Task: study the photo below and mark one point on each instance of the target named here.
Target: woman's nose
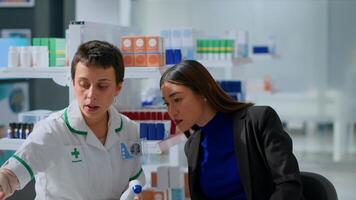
(172, 111)
(91, 93)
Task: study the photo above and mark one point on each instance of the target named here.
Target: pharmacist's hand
(2, 192)
(8, 183)
(2, 195)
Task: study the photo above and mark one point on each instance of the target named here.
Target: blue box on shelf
(260, 50)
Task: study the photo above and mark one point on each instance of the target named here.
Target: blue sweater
(219, 173)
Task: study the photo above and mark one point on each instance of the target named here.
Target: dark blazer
(268, 168)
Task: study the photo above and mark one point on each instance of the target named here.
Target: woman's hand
(2, 195)
(8, 183)
(3, 186)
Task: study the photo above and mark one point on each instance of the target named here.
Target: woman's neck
(99, 126)
(206, 116)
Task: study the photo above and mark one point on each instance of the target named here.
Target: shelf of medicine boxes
(10, 144)
(61, 75)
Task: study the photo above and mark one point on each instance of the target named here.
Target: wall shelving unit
(17, 4)
(60, 75)
(10, 144)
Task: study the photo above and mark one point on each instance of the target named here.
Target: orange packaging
(139, 44)
(140, 60)
(154, 194)
(160, 194)
(129, 59)
(154, 179)
(147, 194)
(127, 44)
(154, 44)
(155, 59)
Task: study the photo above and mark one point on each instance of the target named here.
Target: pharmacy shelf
(10, 144)
(225, 63)
(227, 67)
(60, 75)
(17, 4)
(144, 72)
(264, 57)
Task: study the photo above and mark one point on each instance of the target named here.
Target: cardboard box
(155, 194)
(140, 60)
(155, 59)
(176, 38)
(163, 177)
(154, 44)
(129, 59)
(154, 179)
(139, 44)
(166, 35)
(126, 44)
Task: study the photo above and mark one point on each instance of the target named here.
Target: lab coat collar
(115, 127)
(76, 124)
(115, 120)
(74, 119)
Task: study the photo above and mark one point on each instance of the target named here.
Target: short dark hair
(100, 54)
(196, 77)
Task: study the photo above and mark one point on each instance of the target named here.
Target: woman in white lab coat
(88, 150)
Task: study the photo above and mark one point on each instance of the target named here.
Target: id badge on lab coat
(130, 149)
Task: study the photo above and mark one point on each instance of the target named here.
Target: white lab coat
(69, 162)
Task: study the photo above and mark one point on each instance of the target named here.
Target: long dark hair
(195, 76)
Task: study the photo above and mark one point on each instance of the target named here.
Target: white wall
(342, 54)
(105, 11)
(342, 42)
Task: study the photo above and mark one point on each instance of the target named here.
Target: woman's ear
(118, 88)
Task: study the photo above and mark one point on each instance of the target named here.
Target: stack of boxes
(155, 194)
(241, 43)
(56, 49)
(155, 126)
(179, 44)
(142, 51)
(168, 183)
(153, 130)
(150, 115)
(215, 49)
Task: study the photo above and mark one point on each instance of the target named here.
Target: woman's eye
(84, 85)
(177, 100)
(166, 104)
(103, 86)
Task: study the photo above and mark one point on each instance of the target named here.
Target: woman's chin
(182, 129)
